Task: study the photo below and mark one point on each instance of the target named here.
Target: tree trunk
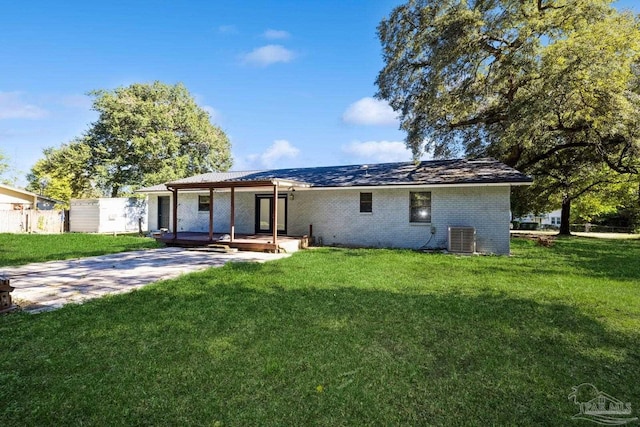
(565, 228)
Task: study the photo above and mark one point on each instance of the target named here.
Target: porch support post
(175, 213)
(274, 214)
(211, 214)
(232, 222)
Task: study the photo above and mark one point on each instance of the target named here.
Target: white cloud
(378, 151)
(276, 34)
(267, 55)
(227, 29)
(370, 111)
(13, 107)
(279, 150)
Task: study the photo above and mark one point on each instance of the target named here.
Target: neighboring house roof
(49, 199)
(28, 194)
(433, 172)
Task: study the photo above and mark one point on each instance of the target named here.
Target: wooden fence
(31, 221)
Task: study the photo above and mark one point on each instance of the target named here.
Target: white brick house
(396, 205)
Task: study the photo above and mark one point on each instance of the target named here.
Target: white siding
(84, 216)
(107, 215)
(336, 218)
(189, 218)
(152, 207)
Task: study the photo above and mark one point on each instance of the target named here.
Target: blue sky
(290, 82)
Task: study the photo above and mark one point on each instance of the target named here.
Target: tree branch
(552, 151)
(589, 187)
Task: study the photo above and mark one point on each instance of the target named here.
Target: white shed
(107, 215)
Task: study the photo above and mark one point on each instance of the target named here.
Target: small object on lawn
(544, 241)
(5, 295)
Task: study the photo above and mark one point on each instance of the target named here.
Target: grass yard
(340, 337)
(19, 249)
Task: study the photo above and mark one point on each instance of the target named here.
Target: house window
(203, 203)
(366, 202)
(420, 206)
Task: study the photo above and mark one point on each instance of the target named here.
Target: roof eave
(426, 184)
(236, 184)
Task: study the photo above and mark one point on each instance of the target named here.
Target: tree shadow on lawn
(208, 347)
(9, 261)
(614, 259)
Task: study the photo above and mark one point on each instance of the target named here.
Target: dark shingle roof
(215, 177)
(433, 172)
(205, 177)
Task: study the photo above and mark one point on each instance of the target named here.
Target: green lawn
(340, 337)
(18, 249)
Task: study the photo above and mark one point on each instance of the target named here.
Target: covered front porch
(269, 208)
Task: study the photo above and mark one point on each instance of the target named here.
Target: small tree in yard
(550, 87)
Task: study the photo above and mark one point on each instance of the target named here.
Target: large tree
(538, 84)
(145, 134)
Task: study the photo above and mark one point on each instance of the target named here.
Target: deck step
(215, 248)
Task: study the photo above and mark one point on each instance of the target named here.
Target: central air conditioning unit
(462, 239)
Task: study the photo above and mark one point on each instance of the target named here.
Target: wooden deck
(243, 242)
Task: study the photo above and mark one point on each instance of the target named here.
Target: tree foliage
(64, 174)
(4, 163)
(611, 200)
(145, 134)
(8, 174)
(538, 84)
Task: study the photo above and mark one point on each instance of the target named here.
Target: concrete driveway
(50, 285)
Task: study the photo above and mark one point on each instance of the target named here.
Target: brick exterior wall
(336, 218)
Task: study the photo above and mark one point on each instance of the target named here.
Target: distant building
(108, 215)
(12, 198)
(545, 220)
(22, 211)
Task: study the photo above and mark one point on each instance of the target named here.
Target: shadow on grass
(616, 259)
(63, 256)
(21, 249)
(210, 347)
